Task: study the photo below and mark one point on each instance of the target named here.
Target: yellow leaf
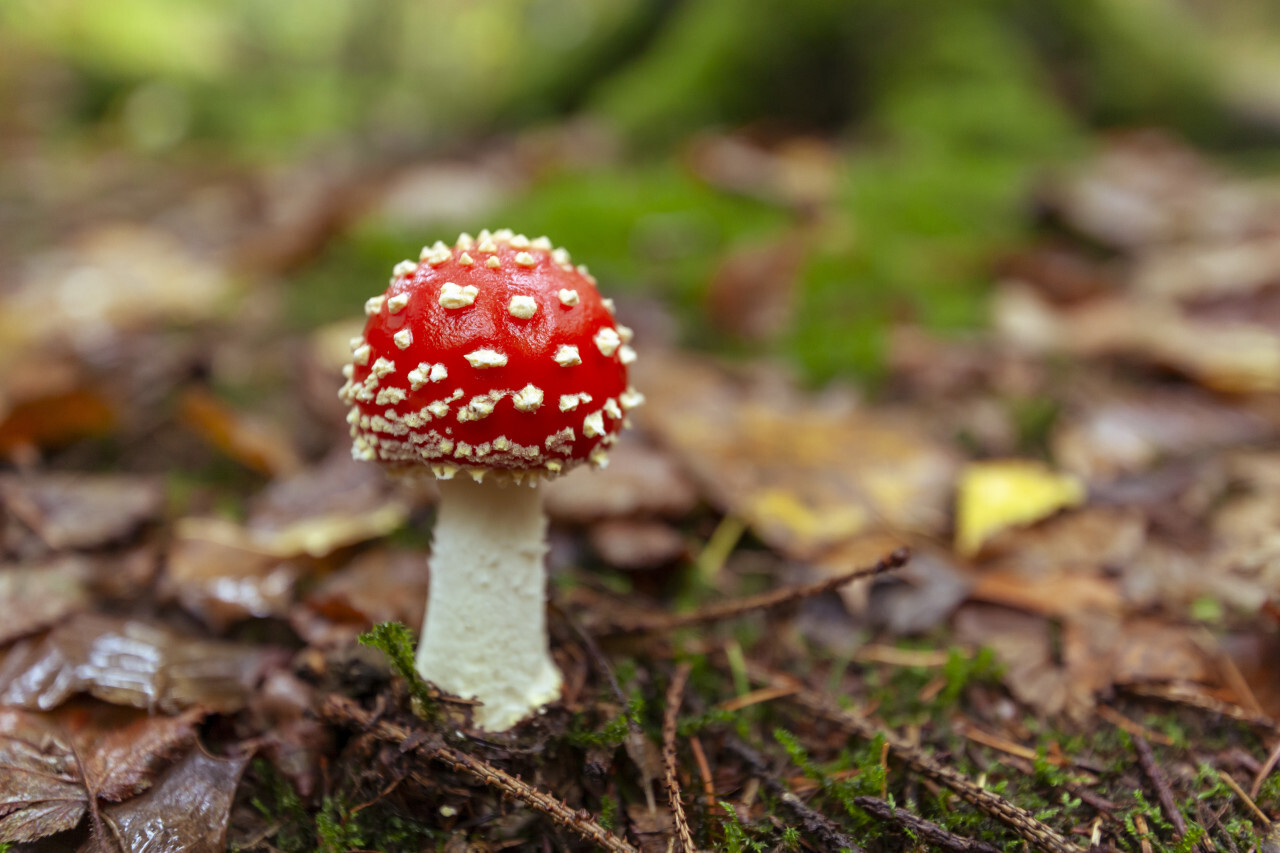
(1006, 493)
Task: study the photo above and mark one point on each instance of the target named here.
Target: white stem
(485, 634)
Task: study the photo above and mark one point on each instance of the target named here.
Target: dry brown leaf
(82, 510)
(640, 480)
(55, 766)
(911, 600)
(126, 662)
(113, 279)
(752, 293)
(256, 444)
(1131, 429)
(36, 595)
(804, 475)
(56, 420)
(632, 544)
(186, 811)
(378, 586)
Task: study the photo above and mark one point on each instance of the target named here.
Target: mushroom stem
(485, 634)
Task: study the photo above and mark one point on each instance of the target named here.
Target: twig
(1182, 694)
(343, 710)
(675, 695)
(658, 622)
(820, 827)
(704, 771)
(1248, 800)
(935, 836)
(1265, 771)
(1147, 760)
(1035, 832)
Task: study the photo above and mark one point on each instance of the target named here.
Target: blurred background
(789, 178)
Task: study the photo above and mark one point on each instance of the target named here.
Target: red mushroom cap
(496, 354)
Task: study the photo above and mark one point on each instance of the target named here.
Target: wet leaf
(186, 811)
(998, 494)
(52, 766)
(127, 662)
(222, 583)
(36, 595)
(82, 510)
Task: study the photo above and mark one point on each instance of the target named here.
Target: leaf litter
(1091, 492)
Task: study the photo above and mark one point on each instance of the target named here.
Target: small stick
(935, 836)
(1182, 694)
(344, 710)
(1248, 801)
(704, 771)
(1147, 760)
(645, 623)
(819, 826)
(675, 695)
(1267, 767)
(1022, 822)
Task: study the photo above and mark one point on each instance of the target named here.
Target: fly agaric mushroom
(490, 364)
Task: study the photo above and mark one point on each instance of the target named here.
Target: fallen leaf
(186, 811)
(56, 766)
(82, 510)
(1131, 429)
(378, 586)
(998, 494)
(127, 662)
(806, 476)
(222, 583)
(256, 444)
(640, 480)
(910, 600)
(36, 595)
(56, 420)
(632, 544)
(112, 279)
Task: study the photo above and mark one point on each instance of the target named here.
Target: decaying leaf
(127, 662)
(640, 480)
(113, 279)
(378, 586)
(81, 510)
(54, 767)
(998, 494)
(224, 571)
(1131, 429)
(804, 475)
(36, 595)
(186, 811)
(257, 444)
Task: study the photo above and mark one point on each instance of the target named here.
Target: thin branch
(1265, 771)
(675, 695)
(1022, 822)
(933, 835)
(1147, 760)
(1183, 694)
(818, 826)
(346, 711)
(659, 622)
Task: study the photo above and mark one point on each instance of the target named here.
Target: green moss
(395, 641)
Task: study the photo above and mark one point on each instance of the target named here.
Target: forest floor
(1079, 651)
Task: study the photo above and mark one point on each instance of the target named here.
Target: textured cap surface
(495, 354)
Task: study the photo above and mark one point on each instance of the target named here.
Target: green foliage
(738, 838)
(395, 641)
(337, 829)
(870, 779)
(608, 812)
(961, 670)
(613, 733)
(278, 802)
